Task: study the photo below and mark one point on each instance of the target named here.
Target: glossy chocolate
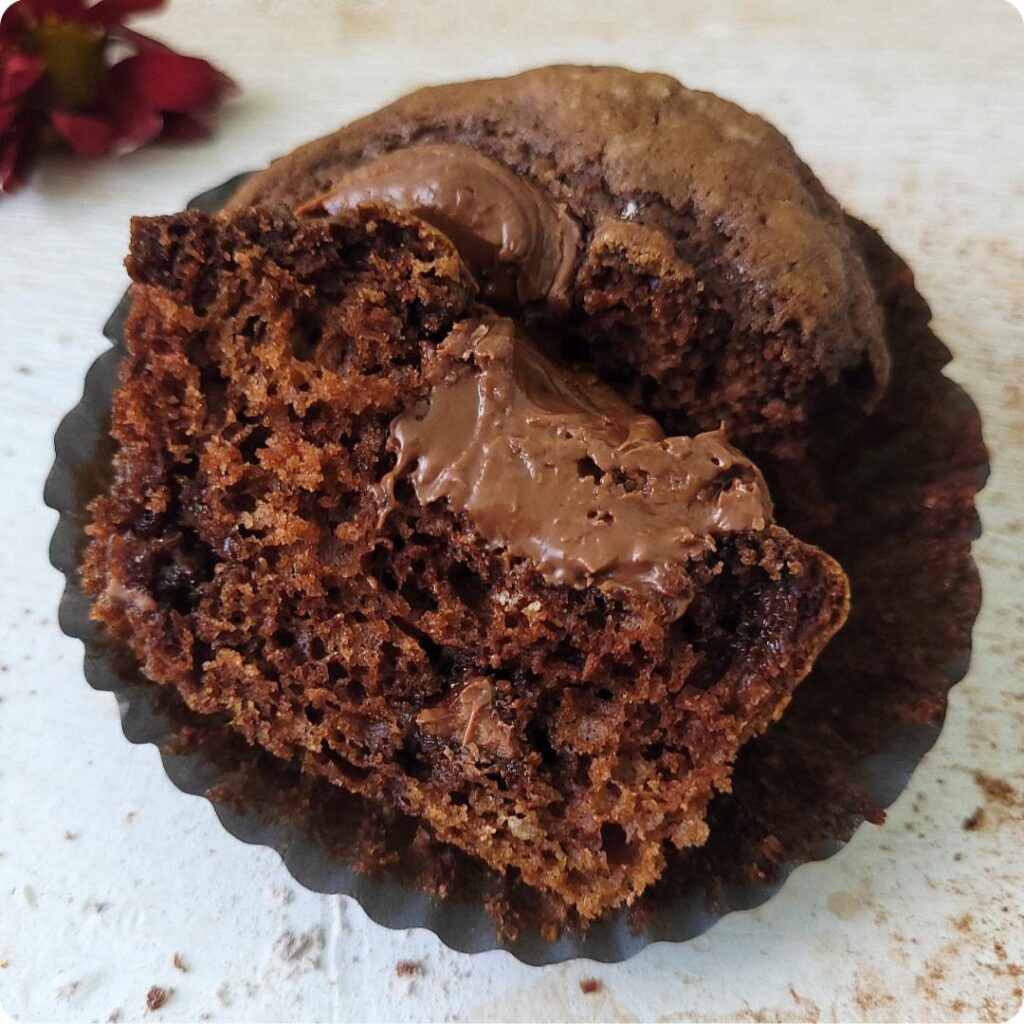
(553, 466)
(520, 245)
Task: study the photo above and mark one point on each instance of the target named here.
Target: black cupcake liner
(757, 840)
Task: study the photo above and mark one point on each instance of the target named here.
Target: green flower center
(74, 59)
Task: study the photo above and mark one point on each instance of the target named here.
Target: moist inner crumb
(241, 557)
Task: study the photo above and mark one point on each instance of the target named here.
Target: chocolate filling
(467, 716)
(553, 466)
(519, 244)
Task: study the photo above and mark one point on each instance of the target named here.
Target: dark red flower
(59, 79)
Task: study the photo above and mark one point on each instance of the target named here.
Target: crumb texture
(566, 736)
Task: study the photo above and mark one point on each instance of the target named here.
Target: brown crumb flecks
(408, 968)
(975, 821)
(1003, 804)
(295, 947)
(997, 790)
(157, 996)
(180, 964)
(588, 986)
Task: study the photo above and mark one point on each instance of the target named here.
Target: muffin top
(679, 181)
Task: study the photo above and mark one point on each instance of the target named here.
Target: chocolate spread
(467, 715)
(552, 465)
(519, 244)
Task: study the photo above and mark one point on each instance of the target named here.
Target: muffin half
(379, 528)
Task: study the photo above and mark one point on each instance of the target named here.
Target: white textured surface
(911, 113)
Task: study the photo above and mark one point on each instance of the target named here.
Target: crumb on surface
(180, 964)
(282, 894)
(588, 986)
(408, 968)
(995, 789)
(157, 996)
(975, 821)
(70, 836)
(291, 946)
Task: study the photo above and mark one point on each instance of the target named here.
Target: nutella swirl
(553, 466)
(518, 243)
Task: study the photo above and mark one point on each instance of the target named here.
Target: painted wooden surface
(911, 112)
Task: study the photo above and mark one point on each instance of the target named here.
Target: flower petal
(10, 150)
(18, 73)
(71, 10)
(183, 128)
(12, 23)
(89, 136)
(135, 122)
(134, 117)
(30, 12)
(137, 39)
(18, 149)
(7, 112)
(113, 12)
(172, 82)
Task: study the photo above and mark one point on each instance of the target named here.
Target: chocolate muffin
(381, 530)
(680, 246)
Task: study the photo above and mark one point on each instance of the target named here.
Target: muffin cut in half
(365, 519)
